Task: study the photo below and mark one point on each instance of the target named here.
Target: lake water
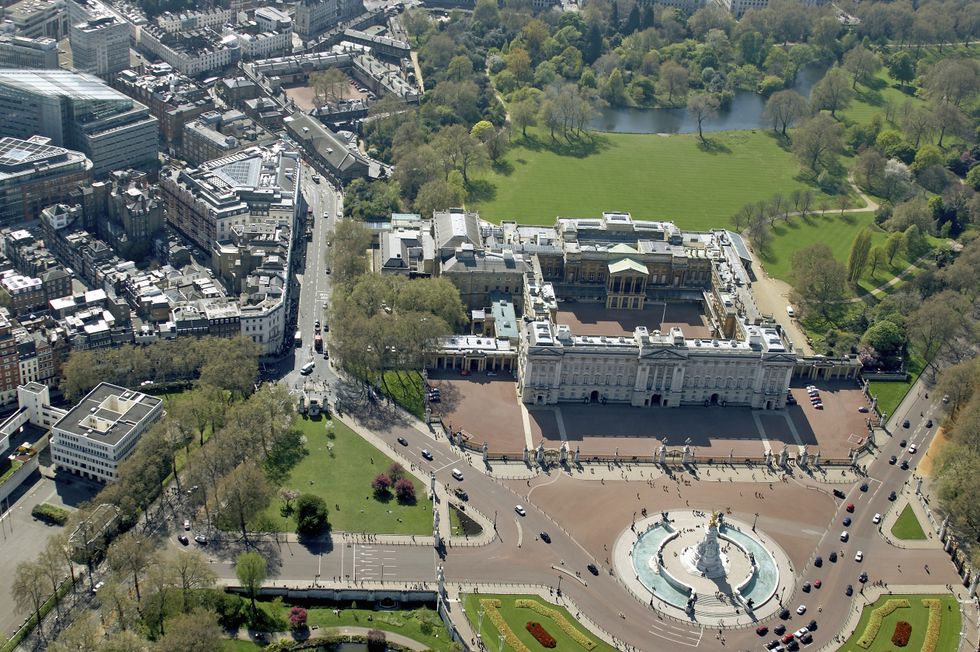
(744, 113)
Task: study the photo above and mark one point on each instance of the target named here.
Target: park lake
(745, 112)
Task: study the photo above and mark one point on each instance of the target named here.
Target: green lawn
(240, 646)
(340, 469)
(651, 176)
(907, 526)
(407, 389)
(916, 615)
(517, 619)
(406, 623)
(890, 394)
(870, 101)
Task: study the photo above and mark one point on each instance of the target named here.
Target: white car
(876, 519)
(520, 510)
(859, 556)
(801, 609)
(912, 449)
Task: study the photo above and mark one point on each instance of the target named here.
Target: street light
(559, 585)
(494, 520)
(755, 520)
(479, 616)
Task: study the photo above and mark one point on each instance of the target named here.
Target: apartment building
(26, 52)
(34, 174)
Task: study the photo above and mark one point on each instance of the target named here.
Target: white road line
(520, 531)
(762, 431)
(354, 564)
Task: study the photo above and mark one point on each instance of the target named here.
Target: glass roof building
(81, 112)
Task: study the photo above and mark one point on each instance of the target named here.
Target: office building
(38, 18)
(314, 17)
(25, 52)
(174, 99)
(34, 174)
(102, 430)
(100, 44)
(79, 111)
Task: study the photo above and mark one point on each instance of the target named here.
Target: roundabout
(703, 567)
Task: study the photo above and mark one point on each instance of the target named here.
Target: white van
(307, 369)
(458, 474)
(844, 536)
(790, 311)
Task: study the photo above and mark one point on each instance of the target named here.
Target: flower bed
(541, 635)
(934, 625)
(903, 631)
(877, 616)
(491, 607)
(573, 632)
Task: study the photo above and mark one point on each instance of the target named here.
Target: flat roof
(108, 414)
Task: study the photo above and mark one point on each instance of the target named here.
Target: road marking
(762, 431)
(520, 531)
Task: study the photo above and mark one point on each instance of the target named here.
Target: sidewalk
(907, 496)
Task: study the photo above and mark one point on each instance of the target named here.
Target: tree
(130, 554)
(875, 258)
(893, 245)
(438, 195)
(288, 496)
(83, 634)
(191, 572)
(952, 80)
(523, 114)
(857, 260)
(459, 150)
(673, 80)
(742, 217)
(784, 108)
(52, 564)
(869, 169)
(348, 257)
(702, 106)
(949, 118)
(376, 639)
(833, 92)
(939, 324)
(862, 63)
(817, 142)
(381, 484)
(28, 589)
(819, 280)
(311, 515)
(917, 124)
(405, 491)
(250, 568)
(242, 494)
(959, 382)
(231, 364)
(493, 139)
(197, 631)
(298, 616)
(901, 66)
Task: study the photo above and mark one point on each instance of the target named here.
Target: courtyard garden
(340, 467)
(907, 526)
(528, 623)
(926, 623)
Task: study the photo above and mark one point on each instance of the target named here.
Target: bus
(318, 343)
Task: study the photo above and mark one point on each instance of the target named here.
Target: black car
(593, 569)
(864, 486)
(546, 537)
(403, 441)
(863, 577)
(846, 521)
(792, 646)
(832, 557)
(892, 459)
(849, 591)
(806, 587)
(905, 424)
(892, 496)
(818, 561)
(902, 444)
(784, 614)
(182, 539)
(839, 493)
(779, 629)
(461, 494)
(812, 626)
(905, 465)
(426, 454)
(772, 645)
(929, 423)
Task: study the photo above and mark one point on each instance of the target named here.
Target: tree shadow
(713, 146)
(783, 142)
(481, 190)
(503, 167)
(876, 83)
(870, 96)
(576, 146)
(779, 229)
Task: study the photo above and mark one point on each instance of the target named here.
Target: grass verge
(917, 614)
(907, 526)
(339, 468)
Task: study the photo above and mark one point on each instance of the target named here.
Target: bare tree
(130, 553)
(702, 106)
(29, 589)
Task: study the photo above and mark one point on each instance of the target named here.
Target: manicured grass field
(240, 646)
(407, 623)
(407, 389)
(916, 615)
(870, 101)
(517, 619)
(340, 470)
(651, 176)
(907, 526)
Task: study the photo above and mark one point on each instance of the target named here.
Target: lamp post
(559, 585)
(500, 642)
(479, 617)
(494, 520)
(754, 520)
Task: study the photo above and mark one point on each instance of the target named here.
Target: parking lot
(595, 319)
(484, 407)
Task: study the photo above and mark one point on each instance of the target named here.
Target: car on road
(817, 584)
(187, 524)
(904, 465)
(520, 510)
(183, 539)
(461, 494)
(761, 630)
(863, 577)
(892, 496)
(912, 449)
(839, 493)
(201, 539)
(779, 629)
(427, 454)
(806, 587)
(929, 423)
(902, 443)
(863, 409)
(847, 521)
(784, 614)
(906, 424)
(844, 536)
(850, 507)
(801, 609)
(876, 519)
(456, 473)
(818, 561)
(859, 556)
(892, 459)
(403, 441)
(593, 569)
(832, 557)
(316, 326)
(545, 537)
(95, 589)
(849, 591)
(945, 398)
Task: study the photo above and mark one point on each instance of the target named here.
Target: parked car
(850, 507)
(902, 443)
(817, 584)
(859, 556)
(904, 465)
(906, 424)
(892, 459)
(832, 557)
(818, 561)
(201, 539)
(801, 609)
(761, 630)
(876, 519)
(187, 524)
(839, 493)
(546, 537)
(847, 521)
(863, 577)
(520, 510)
(779, 629)
(183, 539)
(806, 587)
(929, 423)
(892, 496)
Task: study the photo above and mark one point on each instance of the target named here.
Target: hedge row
(903, 631)
(573, 632)
(935, 623)
(491, 607)
(877, 616)
(50, 514)
(541, 634)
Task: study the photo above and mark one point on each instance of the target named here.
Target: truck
(318, 343)
(298, 339)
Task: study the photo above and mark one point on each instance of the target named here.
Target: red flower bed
(543, 637)
(903, 631)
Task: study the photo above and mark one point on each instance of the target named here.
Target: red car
(817, 584)
(762, 630)
(850, 507)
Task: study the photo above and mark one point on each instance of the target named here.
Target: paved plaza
(595, 319)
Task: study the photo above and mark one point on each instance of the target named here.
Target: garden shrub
(934, 625)
(50, 514)
(903, 631)
(491, 606)
(573, 632)
(541, 635)
(877, 616)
